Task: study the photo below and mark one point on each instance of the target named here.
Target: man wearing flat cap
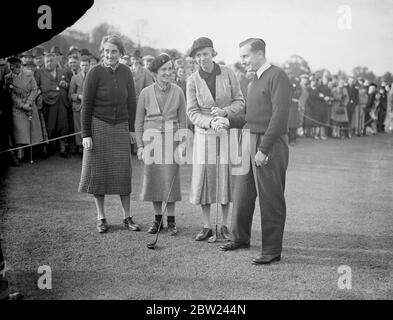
(213, 92)
(266, 120)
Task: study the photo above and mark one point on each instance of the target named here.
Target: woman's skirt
(106, 169)
(203, 184)
(339, 114)
(159, 174)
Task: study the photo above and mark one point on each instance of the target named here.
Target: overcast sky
(310, 28)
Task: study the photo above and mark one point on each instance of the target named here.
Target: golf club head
(151, 246)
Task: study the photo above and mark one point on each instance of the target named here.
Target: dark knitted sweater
(268, 103)
(108, 95)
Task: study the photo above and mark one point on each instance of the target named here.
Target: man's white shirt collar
(263, 68)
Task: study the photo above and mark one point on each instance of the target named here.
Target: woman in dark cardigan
(108, 115)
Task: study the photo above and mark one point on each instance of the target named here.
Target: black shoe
(204, 234)
(14, 296)
(233, 246)
(131, 225)
(172, 230)
(225, 233)
(265, 259)
(154, 228)
(102, 226)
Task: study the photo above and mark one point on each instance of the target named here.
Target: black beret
(200, 43)
(14, 60)
(159, 61)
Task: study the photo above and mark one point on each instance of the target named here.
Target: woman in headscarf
(23, 88)
(161, 112)
(212, 91)
(108, 116)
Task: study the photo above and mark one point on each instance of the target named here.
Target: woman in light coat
(24, 90)
(212, 91)
(161, 111)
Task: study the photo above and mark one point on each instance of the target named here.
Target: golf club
(152, 245)
(213, 238)
(31, 138)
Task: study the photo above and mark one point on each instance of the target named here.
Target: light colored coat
(76, 89)
(199, 105)
(24, 90)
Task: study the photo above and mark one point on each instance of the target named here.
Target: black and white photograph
(205, 151)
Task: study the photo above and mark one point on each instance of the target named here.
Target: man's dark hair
(85, 59)
(256, 44)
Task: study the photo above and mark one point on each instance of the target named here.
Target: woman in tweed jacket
(212, 91)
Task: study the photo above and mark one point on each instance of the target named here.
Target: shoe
(292, 144)
(233, 246)
(63, 154)
(172, 228)
(102, 226)
(204, 234)
(316, 137)
(131, 225)
(323, 138)
(225, 233)
(154, 228)
(265, 259)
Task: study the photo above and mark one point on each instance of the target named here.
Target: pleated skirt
(106, 169)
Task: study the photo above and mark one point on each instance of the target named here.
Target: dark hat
(56, 50)
(85, 52)
(159, 61)
(137, 54)
(38, 51)
(200, 43)
(14, 60)
(27, 53)
(373, 84)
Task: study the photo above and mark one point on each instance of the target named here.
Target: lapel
(167, 102)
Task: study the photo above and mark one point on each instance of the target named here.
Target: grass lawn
(339, 212)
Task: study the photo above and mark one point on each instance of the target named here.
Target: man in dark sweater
(266, 118)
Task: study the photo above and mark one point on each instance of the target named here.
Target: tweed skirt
(158, 177)
(106, 169)
(203, 184)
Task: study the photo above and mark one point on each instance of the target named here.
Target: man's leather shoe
(204, 234)
(102, 226)
(131, 225)
(233, 246)
(154, 228)
(265, 259)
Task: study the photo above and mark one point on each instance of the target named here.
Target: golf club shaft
(217, 177)
(165, 206)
